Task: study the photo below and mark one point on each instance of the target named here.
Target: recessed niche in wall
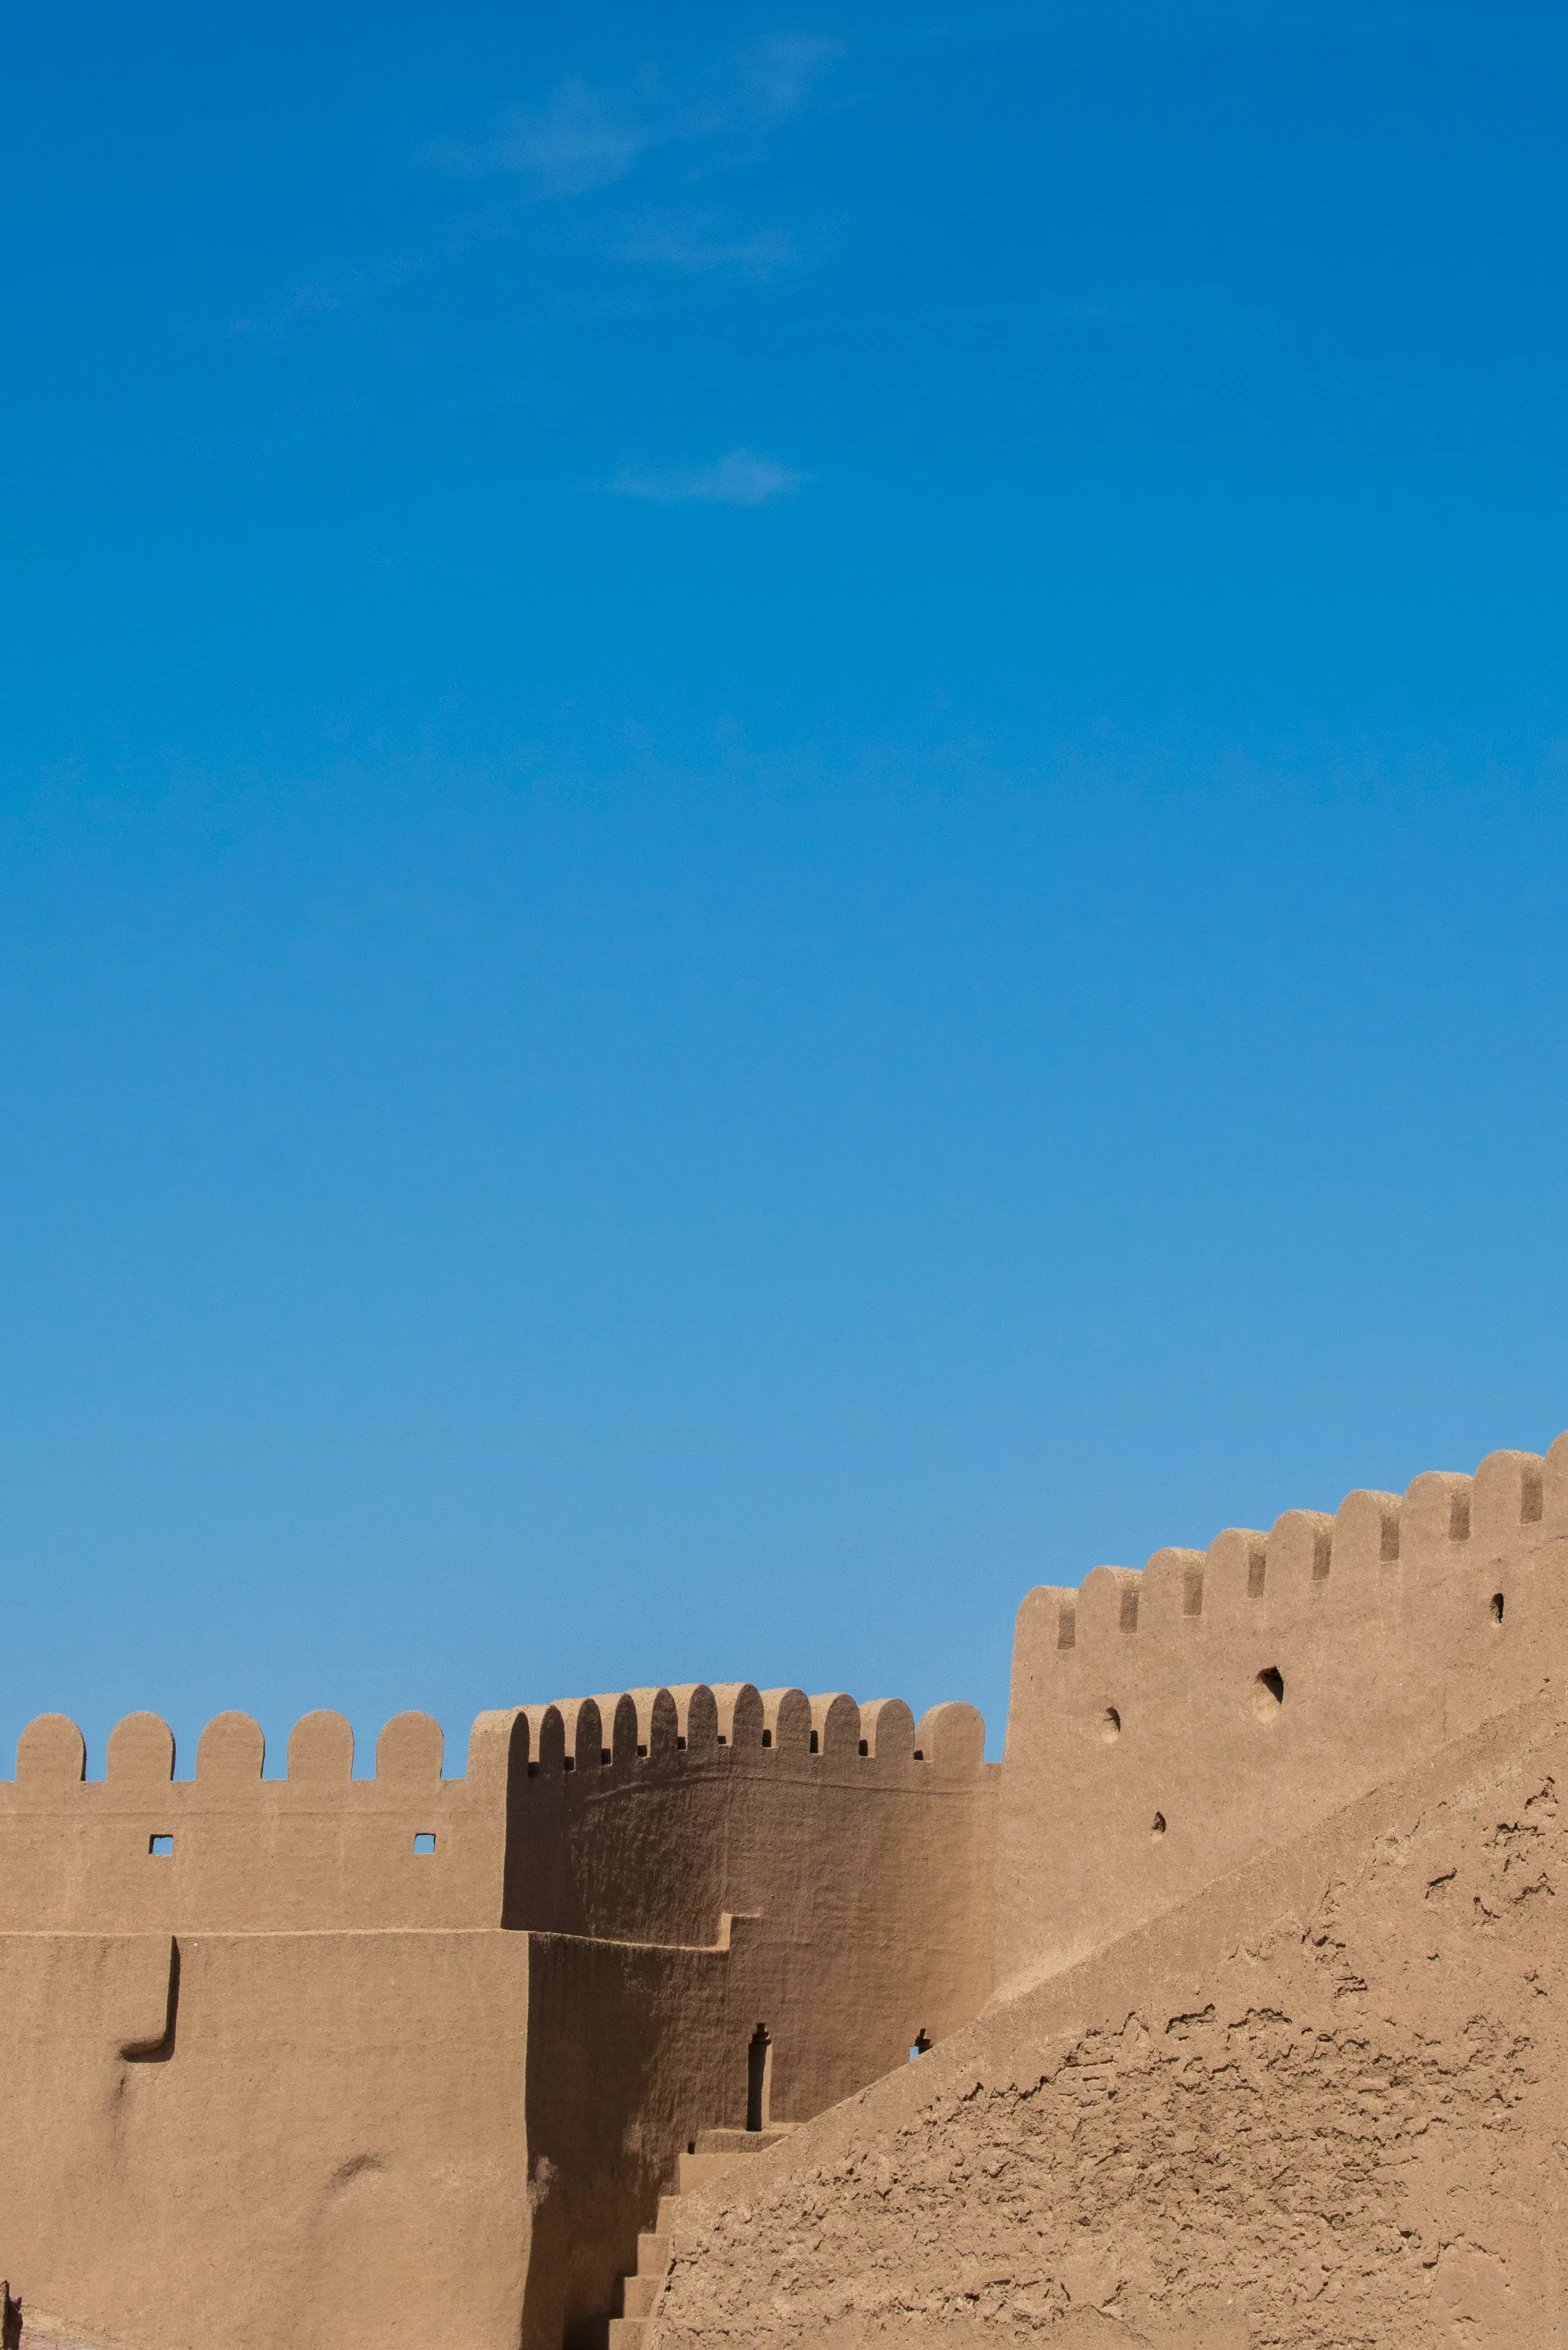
(1268, 1693)
(1158, 1828)
(1110, 1725)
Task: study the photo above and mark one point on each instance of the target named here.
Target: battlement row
(607, 1733)
(1514, 1498)
(232, 1750)
(615, 1732)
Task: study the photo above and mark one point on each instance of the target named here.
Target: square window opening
(160, 1846)
(424, 1841)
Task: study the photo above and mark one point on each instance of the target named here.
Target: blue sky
(781, 829)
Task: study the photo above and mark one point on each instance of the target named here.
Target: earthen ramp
(1316, 2106)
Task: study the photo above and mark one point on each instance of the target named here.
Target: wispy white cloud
(740, 478)
(578, 140)
(581, 137)
(1126, 307)
(354, 286)
(700, 242)
(1154, 305)
(775, 75)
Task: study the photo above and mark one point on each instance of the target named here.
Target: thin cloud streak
(570, 146)
(698, 245)
(739, 478)
(581, 138)
(352, 288)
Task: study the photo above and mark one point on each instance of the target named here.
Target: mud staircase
(714, 2151)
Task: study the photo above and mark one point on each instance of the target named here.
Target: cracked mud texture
(1320, 2105)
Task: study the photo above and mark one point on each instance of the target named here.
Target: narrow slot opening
(920, 1754)
(1110, 1725)
(160, 1847)
(767, 1737)
(920, 2045)
(1497, 1607)
(533, 1770)
(569, 1762)
(759, 2079)
(424, 1841)
(1159, 1824)
(865, 1746)
(814, 1746)
(723, 1741)
(642, 1754)
(680, 1746)
(605, 1758)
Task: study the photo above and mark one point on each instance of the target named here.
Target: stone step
(697, 2169)
(638, 2295)
(717, 2149)
(742, 2141)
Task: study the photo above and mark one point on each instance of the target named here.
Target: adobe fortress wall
(316, 1851)
(262, 2141)
(439, 2091)
(856, 1844)
(1319, 2104)
(293, 2047)
(696, 1863)
(1168, 1726)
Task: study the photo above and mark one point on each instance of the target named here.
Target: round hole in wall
(1110, 1725)
(1268, 1693)
(1159, 1824)
(1497, 1607)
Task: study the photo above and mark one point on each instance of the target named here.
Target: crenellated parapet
(646, 1815)
(1169, 1723)
(829, 1862)
(737, 1721)
(536, 1832)
(1308, 1555)
(229, 1850)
